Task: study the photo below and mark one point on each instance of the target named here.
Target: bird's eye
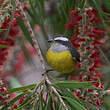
(50, 40)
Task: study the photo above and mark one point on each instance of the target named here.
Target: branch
(55, 91)
(18, 3)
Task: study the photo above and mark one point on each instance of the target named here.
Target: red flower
(21, 100)
(1, 98)
(92, 35)
(71, 24)
(2, 82)
(89, 78)
(92, 69)
(14, 22)
(97, 102)
(10, 41)
(91, 12)
(94, 54)
(98, 32)
(74, 39)
(96, 84)
(88, 48)
(97, 61)
(77, 32)
(97, 42)
(95, 20)
(78, 18)
(74, 12)
(76, 45)
(2, 90)
(85, 29)
(98, 75)
(96, 65)
(15, 106)
(3, 42)
(5, 25)
(78, 66)
(5, 102)
(14, 32)
(25, 7)
(17, 14)
(82, 39)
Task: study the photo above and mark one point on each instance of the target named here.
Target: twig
(61, 100)
(18, 3)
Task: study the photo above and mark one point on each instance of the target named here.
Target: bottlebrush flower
(92, 35)
(17, 14)
(71, 25)
(76, 45)
(21, 100)
(1, 98)
(85, 29)
(98, 75)
(13, 32)
(95, 20)
(10, 41)
(94, 54)
(92, 69)
(5, 24)
(3, 42)
(74, 12)
(98, 32)
(97, 42)
(15, 106)
(78, 18)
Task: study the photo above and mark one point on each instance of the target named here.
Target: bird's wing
(73, 51)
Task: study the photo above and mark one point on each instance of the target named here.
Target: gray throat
(57, 47)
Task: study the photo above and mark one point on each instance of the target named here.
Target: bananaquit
(62, 56)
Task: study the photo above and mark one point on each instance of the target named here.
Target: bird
(62, 56)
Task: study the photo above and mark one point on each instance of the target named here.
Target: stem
(55, 91)
(36, 46)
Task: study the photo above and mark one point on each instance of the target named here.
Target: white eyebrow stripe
(61, 38)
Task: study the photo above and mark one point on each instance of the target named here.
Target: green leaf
(87, 104)
(3, 46)
(25, 30)
(40, 106)
(67, 93)
(1, 30)
(21, 88)
(75, 104)
(18, 97)
(25, 104)
(48, 106)
(60, 107)
(73, 84)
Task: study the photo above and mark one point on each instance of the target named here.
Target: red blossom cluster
(10, 26)
(3, 89)
(6, 98)
(87, 39)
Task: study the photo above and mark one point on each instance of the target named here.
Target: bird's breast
(61, 61)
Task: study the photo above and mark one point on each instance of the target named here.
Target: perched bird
(62, 56)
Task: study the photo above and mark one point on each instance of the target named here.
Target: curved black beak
(50, 40)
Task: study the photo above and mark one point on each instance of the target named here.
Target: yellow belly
(61, 61)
